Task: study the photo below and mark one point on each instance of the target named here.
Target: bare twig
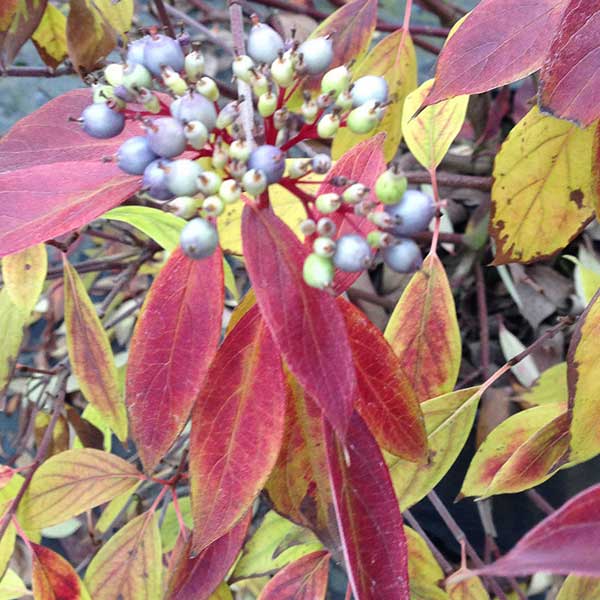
(452, 180)
(164, 17)
(37, 71)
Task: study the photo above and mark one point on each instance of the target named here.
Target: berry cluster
(195, 157)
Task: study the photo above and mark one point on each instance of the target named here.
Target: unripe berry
(403, 257)
(237, 169)
(363, 119)
(230, 191)
(355, 193)
(264, 44)
(390, 186)
(135, 155)
(185, 206)
(298, 167)
(259, 83)
(149, 100)
(135, 51)
(242, 66)
(369, 87)
(317, 54)
(166, 137)
(106, 93)
(208, 88)
(352, 253)
(328, 125)
(328, 203)
(380, 239)
(326, 227)
(228, 115)
(199, 238)
(382, 219)
(113, 73)
(412, 214)
(136, 76)
(182, 177)
(308, 227)
(254, 182)
(212, 206)
(344, 100)
(240, 150)
(209, 183)
(270, 160)
(324, 246)
(325, 100)
(309, 110)
(101, 121)
(155, 179)
(336, 80)
(267, 104)
(194, 65)
(196, 134)
(195, 107)
(162, 51)
(174, 81)
(320, 163)
(318, 271)
(364, 208)
(282, 71)
(219, 156)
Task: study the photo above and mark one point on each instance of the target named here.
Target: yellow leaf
(129, 565)
(7, 546)
(393, 59)
(550, 387)
(577, 587)
(60, 433)
(12, 323)
(114, 508)
(12, 586)
(542, 195)
(430, 134)
(229, 279)
(50, 38)
(24, 274)
(468, 589)
(117, 14)
(90, 354)
(448, 420)
(222, 593)
(424, 573)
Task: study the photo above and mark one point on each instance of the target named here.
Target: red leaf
(237, 427)
(53, 577)
(565, 542)
(46, 201)
(368, 516)
(306, 323)
(569, 85)
(174, 341)
(47, 136)
(303, 579)
(386, 400)
(199, 576)
(352, 165)
(499, 42)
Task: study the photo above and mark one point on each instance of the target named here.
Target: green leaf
(24, 274)
(12, 323)
(169, 530)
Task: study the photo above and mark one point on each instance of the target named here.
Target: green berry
(344, 100)
(196, 134)
(242, 66)
(267, 104)
(336, 80)
(219, 157)
(136, 76)
(254, 182)
(324, 246)
(184, 206)
(282, 71)
(209, 183)
(309, 110)
(355, 193)
(228, 115)
(213, 206)
(298, 168)
(328, 126)
(380, 239)
(194, 65)
(149, 100)
(240, 150)
(230, 191)
(259, 83)
(390, 187)
(208, 88)
(174, 81)
(318, 271)
(113, 74)
(363, 119)
(328, 203)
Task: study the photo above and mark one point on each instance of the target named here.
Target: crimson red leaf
(174, 341)
(306, 323)
(199, 576)
(564, 542)
(237, 427)
(47, 136)
(368, 515)
(45, 201)
(386, 400)
(303, 579)
(499, 42)
(569, 85)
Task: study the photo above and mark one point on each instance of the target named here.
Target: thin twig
(540, 501)
(164, 17)
(484, 332)
(37, 71)
(452, 180)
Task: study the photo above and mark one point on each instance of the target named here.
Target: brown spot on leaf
(577, 197)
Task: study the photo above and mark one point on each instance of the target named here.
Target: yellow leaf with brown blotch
(90, 354)
(24, 274)
(50, 38)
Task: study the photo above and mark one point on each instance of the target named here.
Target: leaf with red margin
(47, 136)
(569, 85)
(237, 428)
(199, 576)
(386, 399)
(499, 42)
(423, 331)
(564, 542)
(53, 577)
(304, 579)
(298, 486)
(368, 515)
(352, 166)
(45, 201)
(174, 341)
(306, 323)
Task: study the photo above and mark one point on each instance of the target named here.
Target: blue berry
(162, 51)
(403, 257)
(155, 179)
(413, 213)
(135, 51)
(270, 160)
(264, 44)
(166, 137)
(369, 87)
(101, 121)
(317, 54)
(352, 253)
(195, 107)
(182, 177)
(199, 238)
(135, 155)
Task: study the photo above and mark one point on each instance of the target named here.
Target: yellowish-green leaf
(114, 508)
(222, 593)
(117, 14)
(12, 586)
(72, 482)
(467, 589)
(7, 546)
(24, 274)
(129, 565)
(586, 275)
(542, 195)
(60, 434)
(62, 530)
(90, 354)
(169, 529)
(12, 323)
(577, 587)
(507, 458)
(584, 384)
(163, 227)
(394, 59)
(430, 134)
(526, 370)
(50, 38)
(448, 420)
(276, 543)
(424, 573)
(229, 279)
(550, 387)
